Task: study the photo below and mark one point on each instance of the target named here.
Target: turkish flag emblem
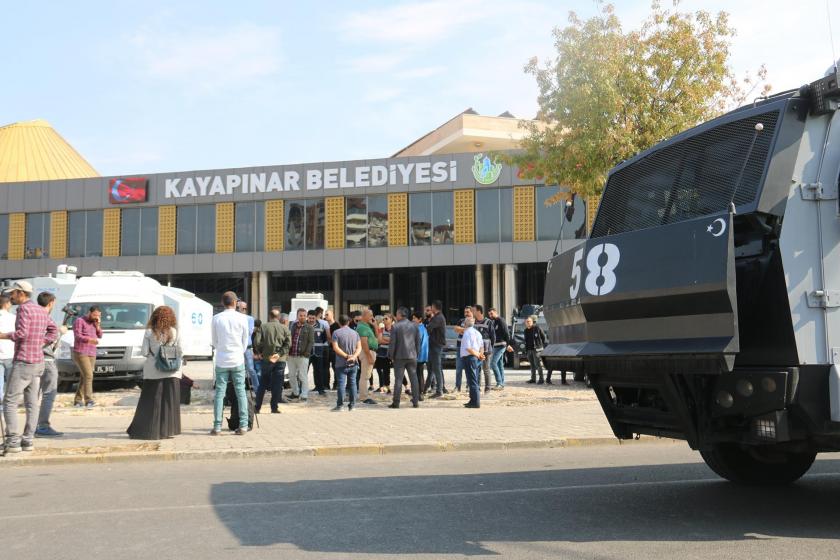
(128, 191)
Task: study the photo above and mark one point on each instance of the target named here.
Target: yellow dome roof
(33, 151)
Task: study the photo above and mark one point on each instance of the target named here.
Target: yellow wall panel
(111, 232)
(58, 234)
(464, 216)
(398, 220)
(592, 202)
(523, 213)
(167, 216)
(335, 222)
(224, 227)
(17, 236)
(274, 225)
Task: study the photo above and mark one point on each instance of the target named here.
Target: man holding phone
(87, 330)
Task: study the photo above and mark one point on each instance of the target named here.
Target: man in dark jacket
(403, 349)
(272, 340)
(502, 343)
(303, 341)
(488, 336)
(437, 342)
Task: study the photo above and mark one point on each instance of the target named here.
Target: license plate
(104, 369)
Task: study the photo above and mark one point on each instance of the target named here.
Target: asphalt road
(640, 501)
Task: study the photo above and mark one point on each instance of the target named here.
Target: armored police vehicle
(705, 306)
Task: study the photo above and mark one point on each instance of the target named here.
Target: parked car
(450, 351)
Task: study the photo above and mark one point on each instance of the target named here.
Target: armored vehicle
(705, 305)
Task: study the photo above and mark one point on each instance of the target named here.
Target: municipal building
(441, 219)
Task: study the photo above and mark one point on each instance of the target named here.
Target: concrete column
(392, 296)
(510, 290)
(264, 281)
(337, 310)
(479, 286)
(424, 288)
(496, 288)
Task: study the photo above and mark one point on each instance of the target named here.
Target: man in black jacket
(502, 343)
(488, 336)
(437, 342)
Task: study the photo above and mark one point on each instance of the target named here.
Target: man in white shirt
(7, 347)
(472, 354)
(231, 336)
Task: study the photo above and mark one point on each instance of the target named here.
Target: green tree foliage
(610, 94)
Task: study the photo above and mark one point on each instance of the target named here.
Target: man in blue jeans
(347, 345)
(231, 335)
(472, 352)
(502, 344)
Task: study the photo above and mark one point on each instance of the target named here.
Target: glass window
(420, 212)
(139, 231)
(149, 231)
(315, 223)
(444, 228)
(377, 214)
(129, 232)
(487, 219)
(76, 229)
(549, 218)
(506, 211)
(294, 225)
(250, 226)
(186, 230)
(356, 221)
(37, 235)
(206, 229)
(4, 236)
(93, 240)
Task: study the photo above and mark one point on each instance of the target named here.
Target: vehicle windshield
(115, 316)
(450, 332)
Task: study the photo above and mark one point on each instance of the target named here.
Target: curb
(86, 457)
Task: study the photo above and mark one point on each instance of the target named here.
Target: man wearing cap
(7, 347)
(33, 330)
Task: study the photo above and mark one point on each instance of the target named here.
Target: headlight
(136, 351)
(64, 350)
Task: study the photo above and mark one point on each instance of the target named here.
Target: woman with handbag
(158, 413)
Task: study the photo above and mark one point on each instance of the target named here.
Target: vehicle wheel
(757, 466)
(65, 386)
(580, 376)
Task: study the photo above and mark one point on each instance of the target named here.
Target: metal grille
(688, 179)
(110, 353)
(464, 216)
(398, 219)
(166, 230)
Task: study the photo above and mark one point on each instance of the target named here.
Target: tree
(609, 94)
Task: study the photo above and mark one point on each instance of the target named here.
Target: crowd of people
(349, 354)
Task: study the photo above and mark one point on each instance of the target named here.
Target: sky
(152, 86)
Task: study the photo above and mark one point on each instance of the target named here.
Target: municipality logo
(485, 170)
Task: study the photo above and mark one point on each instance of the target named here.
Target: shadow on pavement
(456, 514)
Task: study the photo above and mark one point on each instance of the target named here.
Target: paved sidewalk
(519, 416)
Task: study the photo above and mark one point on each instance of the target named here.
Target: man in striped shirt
(33, 330)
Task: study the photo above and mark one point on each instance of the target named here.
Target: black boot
(548, 377)
(533, 379)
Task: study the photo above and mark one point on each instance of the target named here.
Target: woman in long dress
(158, 413)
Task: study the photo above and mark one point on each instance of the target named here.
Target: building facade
(460, 227)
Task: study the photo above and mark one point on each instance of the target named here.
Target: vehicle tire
(757, 466)
(580, 376)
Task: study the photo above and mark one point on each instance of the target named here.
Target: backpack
(168, 358)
